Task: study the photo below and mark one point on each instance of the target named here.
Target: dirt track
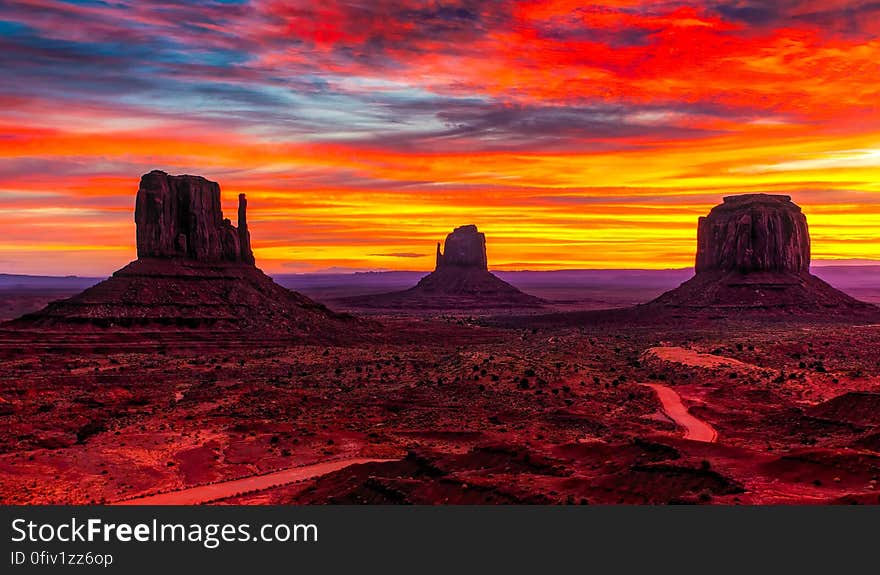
(215, 491)
(694, 428)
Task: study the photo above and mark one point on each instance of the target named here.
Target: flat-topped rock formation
(465, 247)
(194, 270)
(180, 217)
(753, 252)
(754, 233)
(461, 280)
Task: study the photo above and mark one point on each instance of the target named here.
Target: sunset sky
(575, 135)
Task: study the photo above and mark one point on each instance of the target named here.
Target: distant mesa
(194, 270)
(753, 252)
(461, 279)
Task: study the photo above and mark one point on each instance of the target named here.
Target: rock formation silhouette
(465, 248)
(753, 252)
(194, 270)
(754, 233)
(180, 216)
(461, 279)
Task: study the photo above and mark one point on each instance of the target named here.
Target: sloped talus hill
(155, 292)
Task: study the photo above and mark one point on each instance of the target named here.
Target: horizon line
(823, 263)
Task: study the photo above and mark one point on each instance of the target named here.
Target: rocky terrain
(472, 414)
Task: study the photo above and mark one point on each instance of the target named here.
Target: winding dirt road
(694, 428)
(215, 491)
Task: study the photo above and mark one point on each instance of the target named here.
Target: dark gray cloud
(450, 124)
(857, 18)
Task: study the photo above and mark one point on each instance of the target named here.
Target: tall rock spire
(244, 236)
(439, 258)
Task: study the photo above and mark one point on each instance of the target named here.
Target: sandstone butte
(753, 252)
(194, 270)
(461, 280)
(180, 217)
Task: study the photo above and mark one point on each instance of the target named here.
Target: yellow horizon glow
(623, 209)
